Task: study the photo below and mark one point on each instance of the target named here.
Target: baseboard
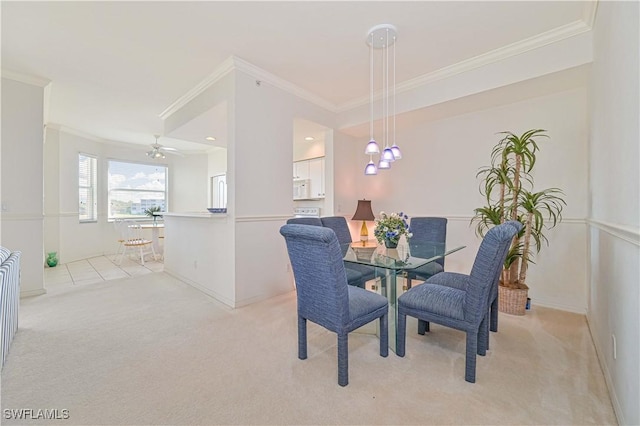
(617, 408)
(197, 286)
(560, 306)
(32, 293)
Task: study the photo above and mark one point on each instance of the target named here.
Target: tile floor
(94, 270)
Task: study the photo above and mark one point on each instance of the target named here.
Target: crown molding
(274, 80)
(540, 40)
(72, 131)
(225, 68)
(589, 13)
(505, 52)
(233, 63)
(25, 78)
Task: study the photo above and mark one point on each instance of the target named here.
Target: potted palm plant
(508, 187)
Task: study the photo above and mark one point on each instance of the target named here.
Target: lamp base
(364, 233)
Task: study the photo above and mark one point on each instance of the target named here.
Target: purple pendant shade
(370, 169)
(387, 155)
(383, 164)
(372, 148)
(396, 152)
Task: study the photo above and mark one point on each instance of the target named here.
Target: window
(136, 187)
(87, 188)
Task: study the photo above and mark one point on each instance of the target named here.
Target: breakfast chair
(354, 276)
(131, 238)
(323, 295)
(340, 227)
(463, 306)
(433, 229)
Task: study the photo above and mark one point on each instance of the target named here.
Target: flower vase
(388, 243)
(52, 259)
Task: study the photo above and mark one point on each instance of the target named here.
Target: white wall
(259, 165)
(437, 177)
(614, 218)
(22, 180)
(63, 231)
(189, 183)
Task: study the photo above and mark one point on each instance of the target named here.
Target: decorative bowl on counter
(217, 209)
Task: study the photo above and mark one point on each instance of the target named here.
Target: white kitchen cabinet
(316, 175)
(313, 171)
(301, 170)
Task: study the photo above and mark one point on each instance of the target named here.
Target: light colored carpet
(152, 350)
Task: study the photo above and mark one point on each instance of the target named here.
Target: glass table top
(408, 255)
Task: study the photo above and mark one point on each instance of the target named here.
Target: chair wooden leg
(302, 337)
(470, 361)
(343, 359)
(384, 335)
(423, 327)
(401, 334)
(494, 315)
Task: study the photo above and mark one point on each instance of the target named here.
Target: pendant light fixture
(381, 37)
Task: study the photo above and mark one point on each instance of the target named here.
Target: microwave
(301, 189)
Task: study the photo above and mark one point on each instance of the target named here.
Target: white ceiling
(115, 66)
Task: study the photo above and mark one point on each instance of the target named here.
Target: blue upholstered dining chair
(432, 229)
(315, 221)
(463, 306)
(459, 281)
(354, 274)
(340, 227)
(324, 296)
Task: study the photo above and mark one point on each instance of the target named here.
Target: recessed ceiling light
(210, 138)
(309, 138)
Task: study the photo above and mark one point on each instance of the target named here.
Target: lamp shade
(363, 211)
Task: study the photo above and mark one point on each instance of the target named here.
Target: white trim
(196, 215)
(225, 68)
(31, 293)
(25, 78)
(72, 131)
(617, 408)
(228, 302)
(459, 218)
(626, 233)
(234, 63)
(21, 216)
(560, 306)
(265, 76)
(263, 218)
(589, 13)
(540, 40)
(502, 53)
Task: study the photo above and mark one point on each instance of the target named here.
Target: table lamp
(364, 213)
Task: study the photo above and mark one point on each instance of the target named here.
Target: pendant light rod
(382, 37)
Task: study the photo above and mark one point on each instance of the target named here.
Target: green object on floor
(52, 259)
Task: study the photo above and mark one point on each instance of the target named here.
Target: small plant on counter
(151, 212)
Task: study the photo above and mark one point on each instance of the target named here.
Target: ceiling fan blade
(167, 148)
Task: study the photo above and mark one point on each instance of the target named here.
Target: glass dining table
(390, 264)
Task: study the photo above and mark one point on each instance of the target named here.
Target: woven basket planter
(512, 301)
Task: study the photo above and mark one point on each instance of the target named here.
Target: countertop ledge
(205, 215)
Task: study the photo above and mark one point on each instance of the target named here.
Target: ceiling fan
(157, 150)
